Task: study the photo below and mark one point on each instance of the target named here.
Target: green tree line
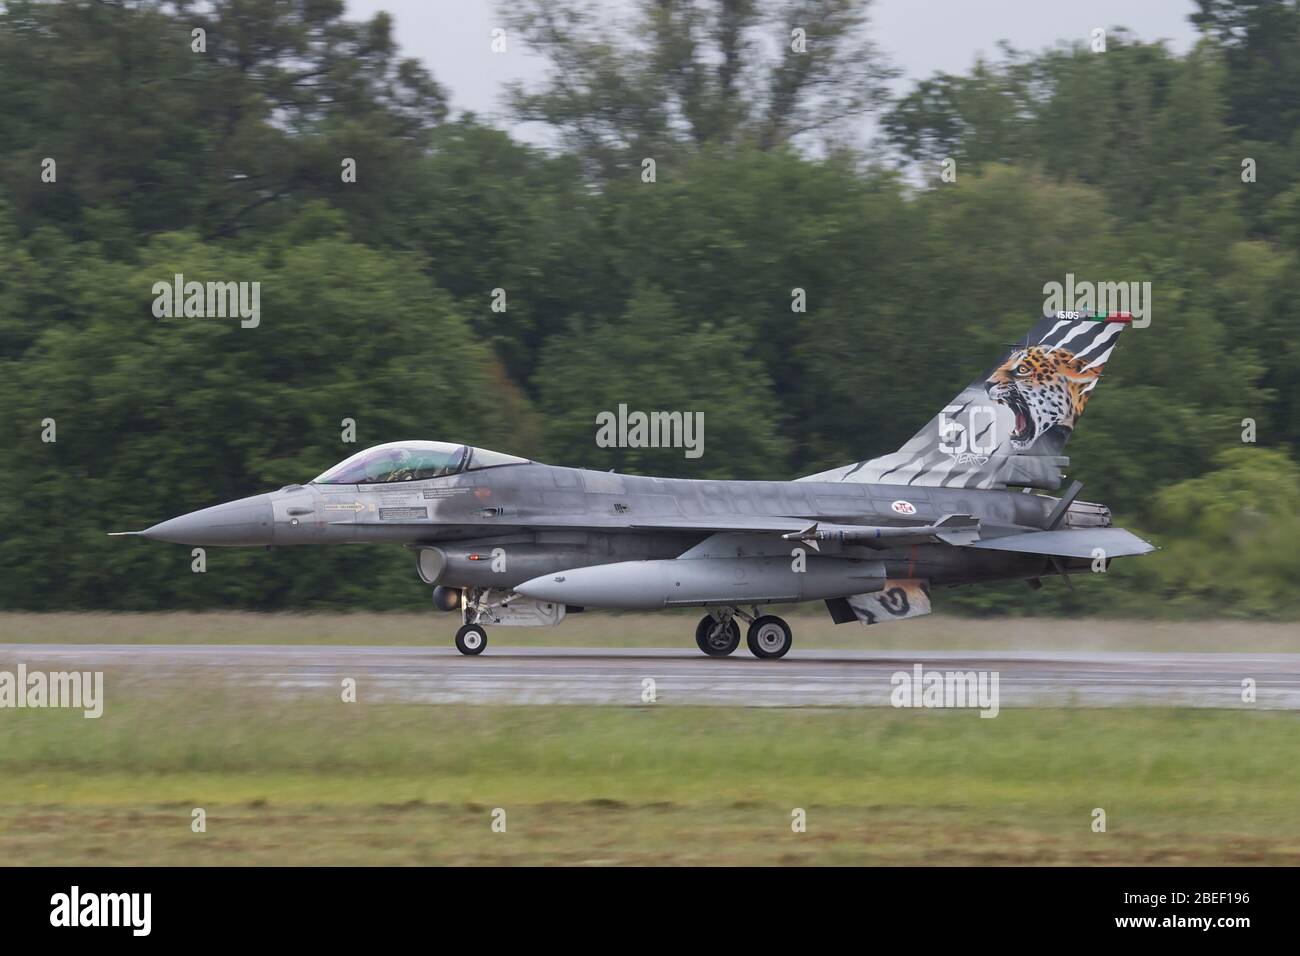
(377, 295)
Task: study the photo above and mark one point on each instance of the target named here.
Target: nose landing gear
(471, 639)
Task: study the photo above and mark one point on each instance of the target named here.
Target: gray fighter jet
(505, 540)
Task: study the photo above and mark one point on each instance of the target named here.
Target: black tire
(720, 644)
(769, 637)
(471, 639)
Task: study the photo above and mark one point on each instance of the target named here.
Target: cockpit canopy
(412, 461)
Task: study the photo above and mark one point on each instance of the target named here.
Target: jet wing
(951, 529)
(713, 523)
(1081, 543)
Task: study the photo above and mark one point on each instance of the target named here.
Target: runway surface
(505, 675)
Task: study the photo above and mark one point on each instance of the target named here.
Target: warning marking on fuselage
(431, 493)
(403, 514)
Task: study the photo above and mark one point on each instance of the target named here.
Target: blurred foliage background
(376, 295)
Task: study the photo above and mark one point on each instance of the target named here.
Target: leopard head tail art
(1044, 387)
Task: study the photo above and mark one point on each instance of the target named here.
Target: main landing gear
(718, 634)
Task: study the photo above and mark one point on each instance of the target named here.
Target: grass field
(323, 782)
(812, 628)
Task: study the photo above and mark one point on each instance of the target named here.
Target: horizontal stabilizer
(1114, 542)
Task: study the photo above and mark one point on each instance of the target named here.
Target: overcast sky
(920, 36)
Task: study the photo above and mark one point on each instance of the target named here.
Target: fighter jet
(505, 540)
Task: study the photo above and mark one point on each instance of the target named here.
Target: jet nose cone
(247, 521)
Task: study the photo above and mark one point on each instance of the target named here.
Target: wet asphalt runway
(439, 675)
